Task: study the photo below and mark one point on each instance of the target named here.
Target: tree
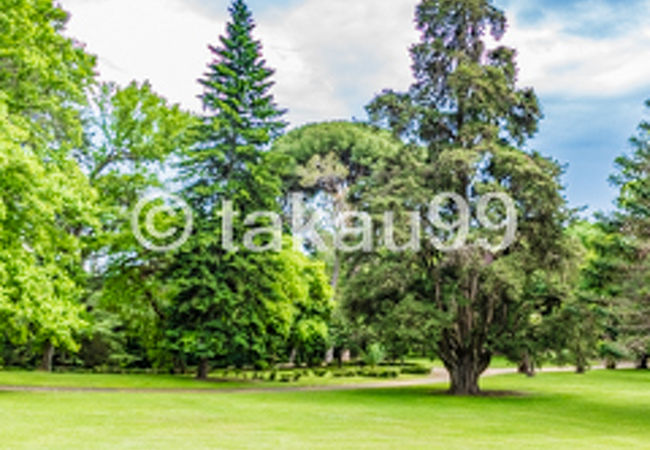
(324, 161)
(132, 135)
(45, 197)
(464, 122)
(40, 261)
(228, 305)
(632, 301)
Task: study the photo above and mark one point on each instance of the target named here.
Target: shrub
(416, 369)
(375, 354)
(380, 373)
(389, 373)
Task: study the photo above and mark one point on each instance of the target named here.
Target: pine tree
(228, 306)
(240, 121)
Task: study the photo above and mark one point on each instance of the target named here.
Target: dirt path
(439, 376)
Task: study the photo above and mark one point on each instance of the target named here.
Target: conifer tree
(632, 302)
(229, 306)
(240, 120)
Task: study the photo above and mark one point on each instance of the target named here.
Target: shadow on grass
(487, 393)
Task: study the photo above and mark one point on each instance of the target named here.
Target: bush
(380, 373)
(416, 369)
(389, 373)
(374, 355)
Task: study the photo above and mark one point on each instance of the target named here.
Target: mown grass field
(234, 381)
(602, 409)
(145, 381)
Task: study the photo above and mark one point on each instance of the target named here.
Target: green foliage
(240, 122)
(632, 222)
(375, 354)
(45, 200)
(348, 150)
(240, 307)
(43, 75)
(39, 255)
(463, 122)
(415, 369)
(132, 135)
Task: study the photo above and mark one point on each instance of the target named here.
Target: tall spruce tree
(228, 306)
(464, 121)
(240, 121)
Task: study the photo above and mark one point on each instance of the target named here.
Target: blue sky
(588, 60)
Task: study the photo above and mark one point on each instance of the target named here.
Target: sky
(588, 60)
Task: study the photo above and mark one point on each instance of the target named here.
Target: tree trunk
(48, 356)
(329, 355)
(610, 363)
(581, 362)
(464, 373)
(203, 370)
(527, 366)
(643, 362)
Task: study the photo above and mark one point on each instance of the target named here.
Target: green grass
(143, 381)
(603, 409)
(497, 362)
(161, 381)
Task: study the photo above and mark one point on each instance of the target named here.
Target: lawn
(145, 381)
(602, 409)
(161, 381)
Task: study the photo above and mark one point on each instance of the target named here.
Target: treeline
(78, 289)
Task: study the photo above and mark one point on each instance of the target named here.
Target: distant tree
(324, 161)
(132, 136)
(633, 219)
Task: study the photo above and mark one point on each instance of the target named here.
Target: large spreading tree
(464, 123)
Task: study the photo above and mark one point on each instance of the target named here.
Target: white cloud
(329, 56)
(333, 56)
(159, 40)
(557, 62)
